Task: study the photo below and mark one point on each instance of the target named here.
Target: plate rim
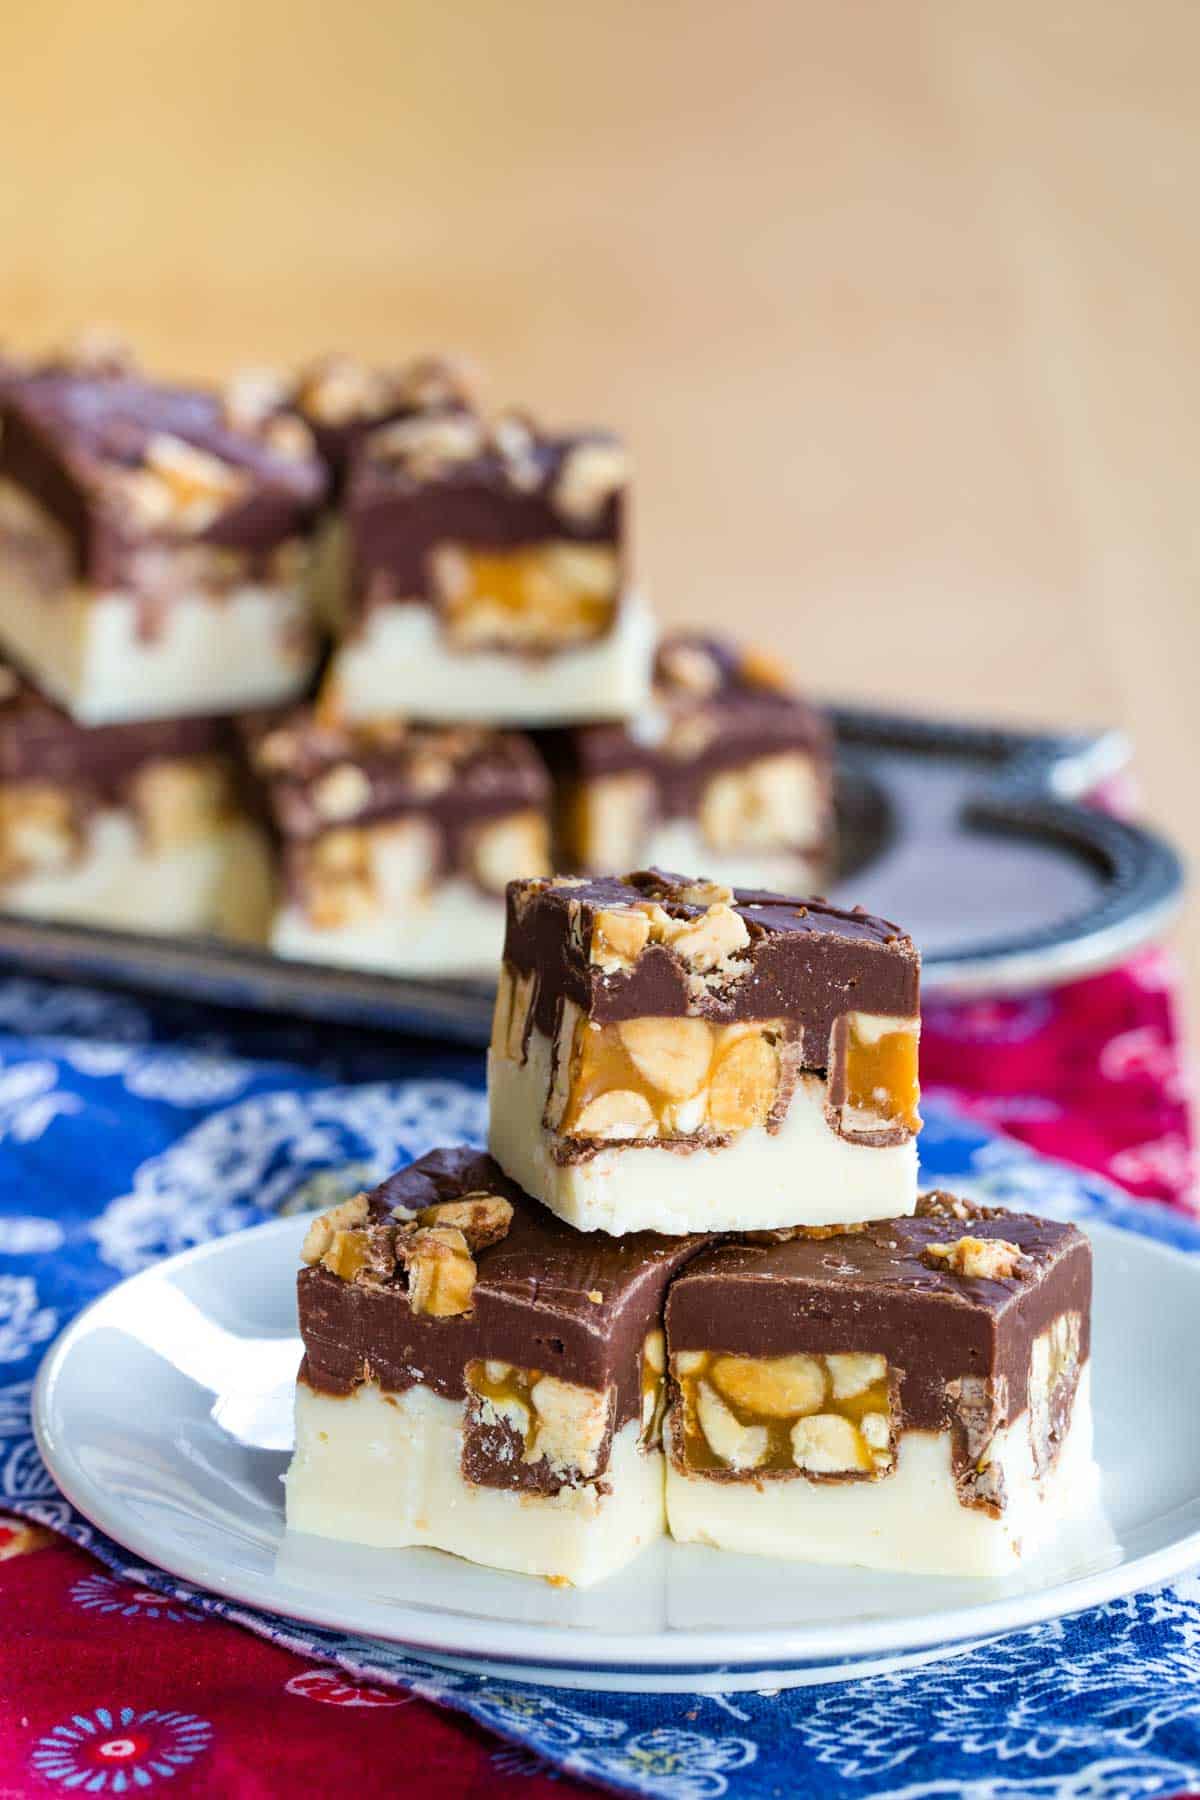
(516, 1643)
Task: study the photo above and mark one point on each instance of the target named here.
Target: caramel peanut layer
(820, 1415)
(541, 598)
(875, 1081)
(559, 1422)
(667, 1078)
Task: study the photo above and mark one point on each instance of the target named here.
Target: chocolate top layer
(316, 776)
(422, 483)
(90, 446)
(806, 961)
(41, 743)
(871, 1291)
(572, 1304)
(714, 707)
(342, 399)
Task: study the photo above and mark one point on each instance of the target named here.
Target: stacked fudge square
(496, 704)
(168, 562)
(154, 543)
(493, 703)
(473, 575)
(486, 576)
(691, 1288)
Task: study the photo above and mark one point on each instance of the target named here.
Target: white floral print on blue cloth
(129, 1132)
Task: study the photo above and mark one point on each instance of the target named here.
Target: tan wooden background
(897, 299)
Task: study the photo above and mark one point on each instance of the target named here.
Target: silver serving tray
(974, 837)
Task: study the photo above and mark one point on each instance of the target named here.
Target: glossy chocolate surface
(63, 429)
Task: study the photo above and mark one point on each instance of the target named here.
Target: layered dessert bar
(394, 843)
(726, 770)
(479, 1378)
(133, 826)
(486, 577)
(676, 1055)
(914, 1395)
(154, 543)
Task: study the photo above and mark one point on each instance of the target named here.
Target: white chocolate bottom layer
(206, 652)
(802, 1174)
(911, 1520)
(386, 1470)
(455, 930)
(680, 844)
(119, 882)
(400, 663)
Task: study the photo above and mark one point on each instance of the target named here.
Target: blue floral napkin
(129, 1132)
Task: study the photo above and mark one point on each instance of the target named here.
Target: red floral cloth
(1094, 1073)
(102, 1678)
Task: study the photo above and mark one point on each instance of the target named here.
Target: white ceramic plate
(164, 1414)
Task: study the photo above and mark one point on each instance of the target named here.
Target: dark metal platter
(974, 837)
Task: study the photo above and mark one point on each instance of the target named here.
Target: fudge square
(676, 1055)
(154, 544)
(480, 1378)
(136, 827)
(914, 1395)
(726, 770)
(486, 577)
(395, 843)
